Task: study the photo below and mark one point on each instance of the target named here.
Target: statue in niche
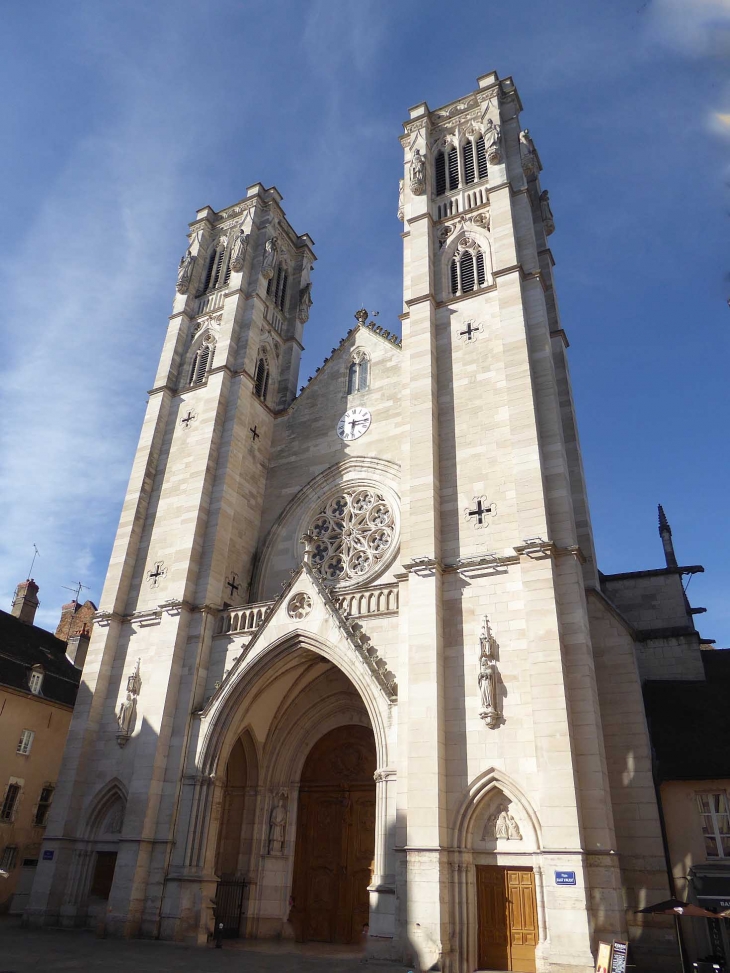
(238, 252)
(305, 302)
(488, 676)
(493, 142)
(502, 824)
(546, 213)
(527, 154)
(418, 173)
(277, 826)
(401, 210)
(271, 251)
(185, 271)
(128, 707)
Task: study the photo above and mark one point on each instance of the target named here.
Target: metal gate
(229, 907)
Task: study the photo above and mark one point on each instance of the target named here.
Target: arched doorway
(335, 841)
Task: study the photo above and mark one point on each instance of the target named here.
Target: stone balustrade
(242, 621)
(379, 600)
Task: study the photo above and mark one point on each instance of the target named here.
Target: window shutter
(11, 799)
(481, 277)
(25, 743)
(481, 159)
(440, 174)
(468, 162)
(454, 277)
(453, 169)
(467, 273)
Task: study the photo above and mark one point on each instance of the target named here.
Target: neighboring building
(355, 668)
(76, 619)
(690, 730)
(38, 686)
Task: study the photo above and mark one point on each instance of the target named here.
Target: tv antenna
(36, 554)
(76, 590)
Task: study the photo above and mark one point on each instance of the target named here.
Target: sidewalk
(80, 951)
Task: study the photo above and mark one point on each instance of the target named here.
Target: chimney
(25, 601)
(78, 646)
(665, 532)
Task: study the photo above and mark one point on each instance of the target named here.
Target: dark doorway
(101, 882)
(335, 842)
(229, 907)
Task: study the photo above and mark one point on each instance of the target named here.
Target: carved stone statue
(418, 173)
(546, 213)
(277, 826)
(184, 271)
(305, 302)
(238, 252)
(527, 154)
(271, 251)
(128, 707)
(401, 211)
(488, 677)
(493, 142)
(502, 824)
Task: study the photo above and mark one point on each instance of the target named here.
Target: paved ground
(80, 951)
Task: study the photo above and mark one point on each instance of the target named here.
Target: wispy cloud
(694, 27)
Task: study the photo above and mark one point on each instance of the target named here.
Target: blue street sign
(47, 856)
(565, 878)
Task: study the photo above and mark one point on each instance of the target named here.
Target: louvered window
(199, 367)
(209, 271)
(261, 380)
(352, 378)
(481, 159)
(282, 279)
(467, 273)
(481, 276)
(440, 174)
(227, 275)
(454, 277)
(453, 161)
(218, 269)
(468, 162)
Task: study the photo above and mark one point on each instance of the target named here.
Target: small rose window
(352, 534)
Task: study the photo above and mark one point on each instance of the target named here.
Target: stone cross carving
(546, 213)
(418, 173)
(184, 271)
(190, 417)
(480, 511)
(233, 584)
(277, 825)
(255, 434)
(469, 333)
(238, 252)
(493, 142)
(158, 574)
(488, 676)
(128, 707)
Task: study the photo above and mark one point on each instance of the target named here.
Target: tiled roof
(689, 722)
(23, 646)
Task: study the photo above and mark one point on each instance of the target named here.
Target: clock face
(353, 424)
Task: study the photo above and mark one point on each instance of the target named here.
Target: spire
(665, 532)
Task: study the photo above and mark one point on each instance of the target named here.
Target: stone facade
(429, 574)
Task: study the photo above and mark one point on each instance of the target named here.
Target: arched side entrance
(335, 840)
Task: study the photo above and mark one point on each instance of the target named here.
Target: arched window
(261, 379)
(475, 160)
(447, 170)
(440, 173)
(199, 365)
(358, 374)
(467, 268)
(277, 286)
(218, 271)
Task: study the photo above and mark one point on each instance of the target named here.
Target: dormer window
(35, 680)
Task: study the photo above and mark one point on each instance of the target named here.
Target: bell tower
(184, 547)
(496, 538)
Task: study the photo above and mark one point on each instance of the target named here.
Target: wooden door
(335, 838)
(507, 926)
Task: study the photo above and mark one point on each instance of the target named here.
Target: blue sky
(120, 119)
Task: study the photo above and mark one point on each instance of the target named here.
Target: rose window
(351, 535)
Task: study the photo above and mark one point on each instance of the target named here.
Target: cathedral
(355, 676)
